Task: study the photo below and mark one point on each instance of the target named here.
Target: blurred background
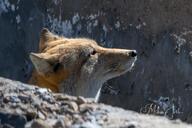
(160, 30)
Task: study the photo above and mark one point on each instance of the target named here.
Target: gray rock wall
(159, 30)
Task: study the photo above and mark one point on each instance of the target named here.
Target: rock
(72, 105)
(41, 115)
(81, 100)
(6, 126)
(59, 124)
(39, 124)
(68, 111)
(12, 120)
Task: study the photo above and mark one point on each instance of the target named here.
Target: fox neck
(81, 87)
(91, 88)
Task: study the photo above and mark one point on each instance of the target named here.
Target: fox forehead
(71, 42)
(74, 45)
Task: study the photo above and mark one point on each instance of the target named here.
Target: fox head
(78, 66)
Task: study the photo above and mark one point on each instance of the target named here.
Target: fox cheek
(89, 66)
(68, 60)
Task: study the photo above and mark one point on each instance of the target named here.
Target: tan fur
(76, 66)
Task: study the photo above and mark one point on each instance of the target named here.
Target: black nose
(133, 54)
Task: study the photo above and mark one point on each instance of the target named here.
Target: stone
(81, 100)
(12, 120)
(39, 124)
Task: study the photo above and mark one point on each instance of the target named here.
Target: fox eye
(93, 52)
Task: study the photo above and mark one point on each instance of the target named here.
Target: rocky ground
(23, 105)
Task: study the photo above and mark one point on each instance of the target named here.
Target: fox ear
(40, 63)
(45, 37)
